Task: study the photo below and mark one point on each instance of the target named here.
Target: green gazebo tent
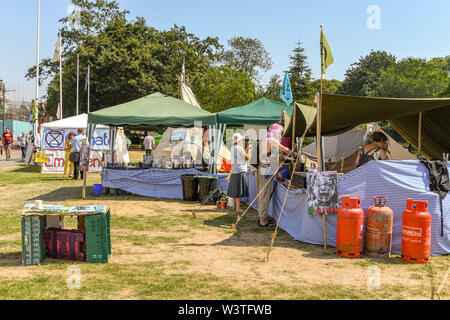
(262, 112)
(152, 110)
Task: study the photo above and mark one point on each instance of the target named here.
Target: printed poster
(322, 191)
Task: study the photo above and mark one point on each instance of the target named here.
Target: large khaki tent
(342, 113)
(346, 146)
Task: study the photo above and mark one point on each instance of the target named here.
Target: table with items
(44, 236)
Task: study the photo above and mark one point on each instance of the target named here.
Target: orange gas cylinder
(379, 220)
(350, 224)
(416, 232)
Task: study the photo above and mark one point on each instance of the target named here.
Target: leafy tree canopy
(361, 79)
(248, 55)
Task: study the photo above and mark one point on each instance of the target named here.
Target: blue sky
(408, 28)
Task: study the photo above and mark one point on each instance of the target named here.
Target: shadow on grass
(12, 259)
(27, 169)
(75, 193)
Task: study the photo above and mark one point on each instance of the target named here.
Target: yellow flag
(325, 51)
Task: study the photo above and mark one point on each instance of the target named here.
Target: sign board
(322, 193)
(41, 157)
(54, 142)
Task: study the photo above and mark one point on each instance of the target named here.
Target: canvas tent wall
(177, 141)
(346, 145)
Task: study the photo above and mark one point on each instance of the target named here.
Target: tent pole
(319, 146)
(420, 134)
(294, 126)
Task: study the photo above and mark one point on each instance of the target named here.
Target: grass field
(178, 250)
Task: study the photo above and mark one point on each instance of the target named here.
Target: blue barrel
(98, 189)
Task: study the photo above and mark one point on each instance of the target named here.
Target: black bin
(190, 187)
(206, 185)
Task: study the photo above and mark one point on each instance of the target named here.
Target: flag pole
(319, 132)
(60, 77)
(78, 79)
(36, 121)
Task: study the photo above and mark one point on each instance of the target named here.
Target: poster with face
(322, 193)
(84, 157)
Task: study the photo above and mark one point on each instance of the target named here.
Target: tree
(128, 59)
(362, 76)
(299, 74)
(273, 88)
(248, 55)
(223, 87)
(329, 86)
(412, 78)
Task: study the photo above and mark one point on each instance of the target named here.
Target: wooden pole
(420, 134)
(319, 137)
(294, 126)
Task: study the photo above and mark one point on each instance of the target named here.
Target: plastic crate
(65, 244)
(33, 240)
(98, 238)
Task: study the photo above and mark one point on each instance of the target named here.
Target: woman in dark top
(378, 144)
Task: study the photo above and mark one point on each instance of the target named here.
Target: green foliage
(299, 73)
(446, 92)
(248, 55)
(128, 59)
(361, 79)
(272, 89)
(329, 86)
(223, 87)
(412, 78)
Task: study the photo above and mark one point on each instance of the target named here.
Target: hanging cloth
(439, 182)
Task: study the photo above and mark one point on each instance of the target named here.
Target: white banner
(57, 161)
(54, 139)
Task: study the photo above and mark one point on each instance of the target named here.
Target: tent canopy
(79, 121)
(343, 113)
(152, 110)
(262, 112)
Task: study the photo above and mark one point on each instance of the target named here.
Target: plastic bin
(33, 240)
(206, 185)
(190, 187)
(98, 238)
(98, 189)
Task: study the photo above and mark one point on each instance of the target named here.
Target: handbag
(74, 157)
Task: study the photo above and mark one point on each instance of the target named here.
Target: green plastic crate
(98, 238)
(33, 240)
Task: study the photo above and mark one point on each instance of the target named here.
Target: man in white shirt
(149, 144)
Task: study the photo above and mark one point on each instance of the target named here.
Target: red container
(350, 224)
(379, 221)
(66, 244)
(416, 232)
(223, 205)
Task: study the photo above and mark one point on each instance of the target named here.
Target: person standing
(270, 148)
(238, 188)
(23, 144)
(67, 163)
(8, 140)
(149, 144)
(75, 156)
